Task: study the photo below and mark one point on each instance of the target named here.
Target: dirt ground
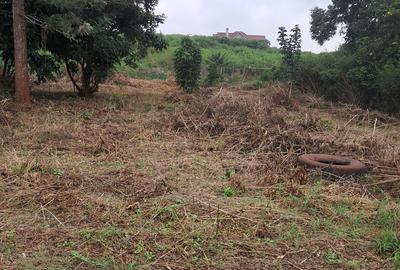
(145, 177)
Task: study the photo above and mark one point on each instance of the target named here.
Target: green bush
(215, 64)
(388, 83)
(267, 75)
(45, 66)
(326, 75)
(187, 65)
(351, 78)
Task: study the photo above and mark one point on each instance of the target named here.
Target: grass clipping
(280, 127)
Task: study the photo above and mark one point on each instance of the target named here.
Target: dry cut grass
(145, 177)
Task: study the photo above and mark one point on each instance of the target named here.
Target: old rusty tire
(333, 164)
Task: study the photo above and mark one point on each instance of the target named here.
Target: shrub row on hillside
(342, 77)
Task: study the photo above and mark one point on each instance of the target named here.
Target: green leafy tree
(368, 23)
(371, 29)
(290, 46)
(215, 63)
(41, 62)
(187, 65)
(90, 36)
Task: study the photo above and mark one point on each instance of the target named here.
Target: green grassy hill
(258, 57)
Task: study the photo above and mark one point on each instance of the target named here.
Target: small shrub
(290, 46)
(229, 192)
(331, 257)
(140, 248)
(267, 75)
(187, 65)
(215, 63)
(150, 256)
(87, 115)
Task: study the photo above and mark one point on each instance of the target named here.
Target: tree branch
(72, 77)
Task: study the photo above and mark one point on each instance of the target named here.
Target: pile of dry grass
(6, 115)
(163, 85)
(278, 126)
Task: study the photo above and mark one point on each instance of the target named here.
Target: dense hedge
(340, 76)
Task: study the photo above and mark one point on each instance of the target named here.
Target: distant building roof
(240, 34)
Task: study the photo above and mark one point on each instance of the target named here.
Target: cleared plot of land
(142, 177)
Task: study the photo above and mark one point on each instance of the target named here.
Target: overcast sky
(258, 17)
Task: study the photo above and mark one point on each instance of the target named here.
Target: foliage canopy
(372, 40)
(90, 36)
(290, 48)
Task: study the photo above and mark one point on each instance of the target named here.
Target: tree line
(88, 38)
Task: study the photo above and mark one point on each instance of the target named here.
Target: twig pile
(271, 122)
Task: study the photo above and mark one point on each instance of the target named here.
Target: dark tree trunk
(88, 86)
(86, 90)
(20, 51)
